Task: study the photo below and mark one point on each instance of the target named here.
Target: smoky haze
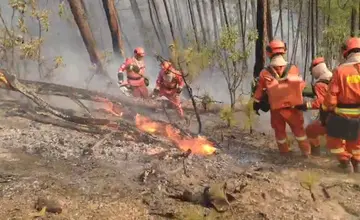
(64, 39)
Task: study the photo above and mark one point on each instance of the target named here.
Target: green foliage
(228, 116)
(308, 180)
(18, 44)
(338, 30)
(61, 11)
(190, 60)
(250, 114)
(231, 59)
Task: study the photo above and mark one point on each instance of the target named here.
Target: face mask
(168, 77)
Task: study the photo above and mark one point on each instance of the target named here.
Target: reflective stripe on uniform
(337, 151)
(308, 105)
(357, 152)
(302, 138)
(282, 141)
(348, 111)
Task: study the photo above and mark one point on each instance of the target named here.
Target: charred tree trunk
(163, 47)
(78, 11)
(353, 29)
(225, 14)
(159, 21)
(281, 19)
(198, 9)
(139, 19)
(112, 18)
(169, 20)
(269, 21)
(293, 56)
(179, 21)
(205, 7)
(193, 23)
(214, 18)
(242, 28)
(260, 46)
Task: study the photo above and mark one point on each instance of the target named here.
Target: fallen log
(44, 88)
(23, 89)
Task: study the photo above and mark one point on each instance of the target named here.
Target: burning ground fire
(199, 145)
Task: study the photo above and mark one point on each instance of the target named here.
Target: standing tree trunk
(139, 19)
(179, 22)
(78, 10)
(353, 29)
(169, 20)
(214, 17)
(159, 21)
(198, 9)
(193, 22)
(269, 21)
(281, 19)
(206, 18)
(225, 14)
(112, 18)
(260, 46)
(163, 47)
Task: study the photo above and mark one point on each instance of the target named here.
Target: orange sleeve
(260, 88)
(320, 92)
(181, 82)
(122, 68)
(159, 79)
(330, 100)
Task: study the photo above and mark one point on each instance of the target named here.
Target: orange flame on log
(199, 145)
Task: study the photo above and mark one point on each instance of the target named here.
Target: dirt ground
(96, 181)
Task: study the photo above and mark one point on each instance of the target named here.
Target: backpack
(264, 102)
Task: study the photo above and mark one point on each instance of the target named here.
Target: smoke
(64, 39)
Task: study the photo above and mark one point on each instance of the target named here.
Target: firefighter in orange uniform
(343, 103)
(322, 75)
(170, 84)
(283, 84)
(134, 68)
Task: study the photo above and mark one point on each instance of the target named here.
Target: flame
(109, 107)
(145, 124)
(199, 145)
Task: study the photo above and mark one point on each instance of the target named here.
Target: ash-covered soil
(120, 177)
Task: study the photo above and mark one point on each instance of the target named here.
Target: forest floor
(96, 181)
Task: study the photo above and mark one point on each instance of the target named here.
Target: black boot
(346, 166)
(316, 151)
(356, 165)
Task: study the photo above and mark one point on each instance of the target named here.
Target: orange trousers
(313, 131)
(295, 119)
(344, 150)
(140, 91)
(174, 99)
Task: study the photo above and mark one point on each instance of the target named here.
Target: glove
(179, 90)
(146, 80)
(156, 92)
(302, 107)
(120, 76)
(256, 107)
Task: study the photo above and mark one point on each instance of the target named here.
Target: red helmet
(317, 61)
(275, 47)
(139, 51)
(351, 44)
(166, 65)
